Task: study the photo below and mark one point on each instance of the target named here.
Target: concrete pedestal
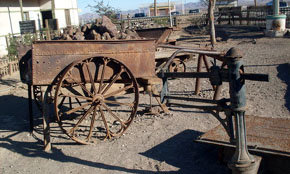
(275, 25)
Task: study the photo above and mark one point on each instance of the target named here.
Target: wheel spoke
(91, 79)
(116, 117)
(102, 76)
(113, 81)
(80, 121)
(78, 108)
(119, 103)
(70, 104)
(105, 123)
(73, 91)
(78, 101)
(62, 100)
(75, 96)
(82, 86)
(118, 91)
(92, 124)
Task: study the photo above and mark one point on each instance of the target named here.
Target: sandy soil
(153, 144)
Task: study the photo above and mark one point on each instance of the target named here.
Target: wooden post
(48, 37)
(21, 10)
(211, 7)
(9, 68)
(53, 9)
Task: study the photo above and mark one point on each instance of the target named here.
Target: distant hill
(88, 17)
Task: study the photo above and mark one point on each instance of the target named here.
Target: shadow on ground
(182, 152)
(179, 151)
(284, 75)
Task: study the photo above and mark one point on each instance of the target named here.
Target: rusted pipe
(201, 52)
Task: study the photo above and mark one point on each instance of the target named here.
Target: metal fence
(249, 16)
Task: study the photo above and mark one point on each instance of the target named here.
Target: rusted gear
(177, 65)
(96, 98)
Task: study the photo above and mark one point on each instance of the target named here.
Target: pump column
(242, 161)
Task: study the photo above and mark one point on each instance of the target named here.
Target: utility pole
(169, 10)
(21, 10)
(53, 9)
(155, 8)
(182, 6)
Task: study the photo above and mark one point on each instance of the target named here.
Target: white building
(66, 11)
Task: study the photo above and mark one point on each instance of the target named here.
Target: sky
(123, 5)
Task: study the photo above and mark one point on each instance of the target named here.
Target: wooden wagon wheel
(177, 65)
(104, 99)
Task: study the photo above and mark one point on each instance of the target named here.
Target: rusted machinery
(231, 113)
(93, 85)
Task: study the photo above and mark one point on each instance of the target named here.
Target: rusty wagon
(93, 85)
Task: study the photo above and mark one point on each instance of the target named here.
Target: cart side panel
(50, 58)
(159, 34)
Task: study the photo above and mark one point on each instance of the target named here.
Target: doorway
(46, 15)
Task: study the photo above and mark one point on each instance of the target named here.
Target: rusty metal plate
(158, 34)
(266, 135)
(50, 58)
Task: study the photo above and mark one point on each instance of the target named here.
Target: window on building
(26, 16)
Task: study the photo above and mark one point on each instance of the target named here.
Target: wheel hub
(98, 98)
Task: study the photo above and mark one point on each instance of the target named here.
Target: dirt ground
(162, 143)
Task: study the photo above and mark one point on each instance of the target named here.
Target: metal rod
(217, 92)
(202, 52)
(276, 7)
(195, 99)
(197, 83)
(30, 111)
(184, 75)
(206, 63)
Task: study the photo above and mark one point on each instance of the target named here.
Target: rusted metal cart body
(49, 58)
